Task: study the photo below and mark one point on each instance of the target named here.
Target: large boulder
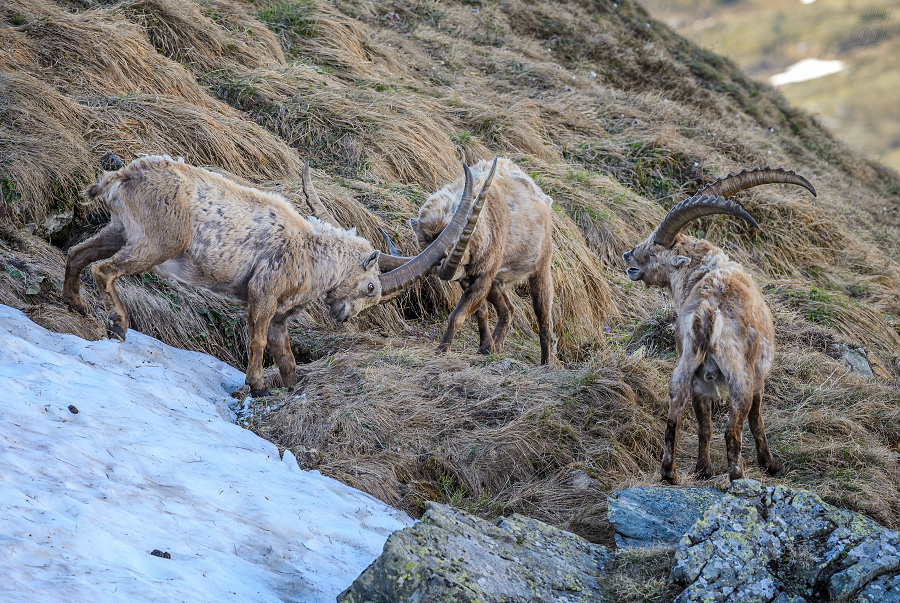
(781, 545)
(453, 556)
(651, 516)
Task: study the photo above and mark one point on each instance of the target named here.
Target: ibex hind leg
(541, 285)
(130, 259)
(740, 396)
(757, 428)
(99, 247)
(703, 412)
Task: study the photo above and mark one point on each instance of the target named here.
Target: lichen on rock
(453, 556)
(778, 544)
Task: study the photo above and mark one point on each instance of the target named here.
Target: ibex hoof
(116, 332)
(260, 393)
(775, 469)
(443, 348)
(670, 477)
(486, 351)
(703, 471)
(78, 307)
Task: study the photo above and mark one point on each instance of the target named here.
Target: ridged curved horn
(689, 210)
(312, 199)
(735, 183)
(400, 277)
(448, 268)
(392, 249)
(110, 162)
(393, 259)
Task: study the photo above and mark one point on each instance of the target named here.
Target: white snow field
(151, 461)
(805, 70)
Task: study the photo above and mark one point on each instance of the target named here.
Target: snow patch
(152, 461)
(807, 69)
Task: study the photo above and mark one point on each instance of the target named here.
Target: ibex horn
(400, 277)
(392, 249)
(312, 198)
(689, 210)
(448, 268)
(735, 183)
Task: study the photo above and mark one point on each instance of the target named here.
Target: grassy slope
(860, 104)
(615, 115)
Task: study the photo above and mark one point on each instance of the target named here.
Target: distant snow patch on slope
(807, 69)
(149, 463)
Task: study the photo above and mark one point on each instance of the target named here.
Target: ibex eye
(371, 287)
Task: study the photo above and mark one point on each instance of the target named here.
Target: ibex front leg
(99, 247)
(279, 348)
(473, 296)
(131, 259)
(260, 311)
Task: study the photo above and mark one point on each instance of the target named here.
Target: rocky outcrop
(781, 545)
(753, 544)
(452, 556)
(650, 516)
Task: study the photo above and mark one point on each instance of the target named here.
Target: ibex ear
(414, 224)
(680, 260)
(370, 260)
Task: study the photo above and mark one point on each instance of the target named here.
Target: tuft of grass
(290, 19)
(640, 574)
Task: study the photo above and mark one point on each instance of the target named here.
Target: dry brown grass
(615, 120)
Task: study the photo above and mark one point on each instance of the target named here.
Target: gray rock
(452, 556)
(777, 544)
(854, 358)
(649, 516)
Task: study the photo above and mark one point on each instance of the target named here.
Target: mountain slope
(615, 115)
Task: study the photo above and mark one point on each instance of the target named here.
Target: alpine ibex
(512, 243)
(247, 245)
(723, 331)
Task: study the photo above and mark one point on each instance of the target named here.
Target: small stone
(159, 553)
(72, 409)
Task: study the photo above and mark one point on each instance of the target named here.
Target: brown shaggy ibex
(512, 243)
(248, 245)
(723, 330)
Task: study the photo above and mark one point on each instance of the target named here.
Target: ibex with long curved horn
(511, 244)
(248, 245)
(723, 330)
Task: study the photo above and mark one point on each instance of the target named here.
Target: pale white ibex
(723, 330)
(511, 244)
(247, 245)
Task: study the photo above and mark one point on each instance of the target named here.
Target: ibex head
(667, 249)
(360, 291)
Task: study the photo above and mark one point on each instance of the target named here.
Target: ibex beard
(724, 330)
